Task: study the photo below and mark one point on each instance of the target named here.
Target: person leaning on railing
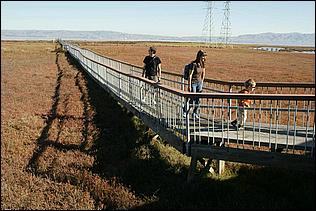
(239, 123)
(195, 81)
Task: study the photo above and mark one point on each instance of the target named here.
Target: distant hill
(278, 39)
(288, 39)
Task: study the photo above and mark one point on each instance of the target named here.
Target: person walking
(239, 123)
(195, 82)
(152, 65)
(151, 70)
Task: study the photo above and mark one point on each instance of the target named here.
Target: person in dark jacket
(152, 65)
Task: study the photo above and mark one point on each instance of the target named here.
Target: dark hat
(153, 49)
(202, 53)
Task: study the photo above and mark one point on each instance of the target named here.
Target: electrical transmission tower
(208, 24)
(226, 25)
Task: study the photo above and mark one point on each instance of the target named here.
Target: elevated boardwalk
(280, 129)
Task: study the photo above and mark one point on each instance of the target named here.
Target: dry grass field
(47, 134)
(65, 144)
(237, 64)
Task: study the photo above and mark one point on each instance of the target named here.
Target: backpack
(187, 69)
(151, 67)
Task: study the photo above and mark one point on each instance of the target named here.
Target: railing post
(130, 90)
(187, 124)
(140, 97)
(230, 104)
(106, 76)
(120, 78)
(182, 84)
(157, 100)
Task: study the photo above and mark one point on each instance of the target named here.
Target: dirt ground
(237, 64)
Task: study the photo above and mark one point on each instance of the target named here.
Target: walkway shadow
(43, 142)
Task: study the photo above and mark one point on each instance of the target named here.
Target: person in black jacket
(152, 65)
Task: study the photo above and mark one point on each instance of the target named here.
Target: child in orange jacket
(250, 85)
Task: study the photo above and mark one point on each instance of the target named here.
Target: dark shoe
(233, 123)
(240, 127)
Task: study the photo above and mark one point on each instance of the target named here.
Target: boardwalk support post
(192, 166)
(221, 166)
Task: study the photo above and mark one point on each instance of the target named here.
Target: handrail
(222, 82)
(298, 97)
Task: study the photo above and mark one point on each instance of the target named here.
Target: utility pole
(226, 25)
(208, 23)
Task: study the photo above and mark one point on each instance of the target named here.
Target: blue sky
(173, 18)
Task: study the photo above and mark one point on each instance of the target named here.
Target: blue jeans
(196, 88)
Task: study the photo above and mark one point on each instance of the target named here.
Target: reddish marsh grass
(47, 134)
(62, 146)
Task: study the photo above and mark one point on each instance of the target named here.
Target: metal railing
(210, 85)
(276, 121)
